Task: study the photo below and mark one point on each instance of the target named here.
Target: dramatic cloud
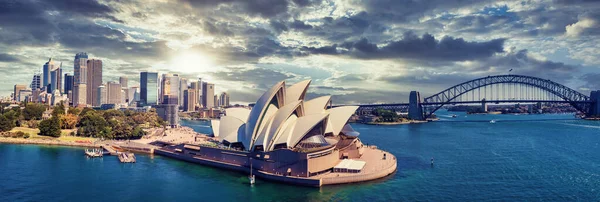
(359, 51)
(413, 47)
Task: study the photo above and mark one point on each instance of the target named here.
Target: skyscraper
(183, 86)
(190, 100)
(17, 90)
(69, 87)
(124, 82)
(113, 92)
(148, 88)
(224, 100)
(208, 93)
(47, 68)
(195, 86)
(36, 82)
(170, 89)
(101, 91)
(55, 80)
(216, 101)
(94, 79)
(80, 79)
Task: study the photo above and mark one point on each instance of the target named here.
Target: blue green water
(513, 159)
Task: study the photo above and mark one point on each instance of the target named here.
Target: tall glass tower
(148, 88)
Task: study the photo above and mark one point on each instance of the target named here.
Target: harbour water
(520, 157)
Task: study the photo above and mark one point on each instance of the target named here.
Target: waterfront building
(133, 95)
(94, 79)
(17, 89)
(148, 88)
(287, 139)
(224, 100)
(208, 92)
(168, 112)
(80, 75)
(190, 98)
(113, 93)
(36, 82)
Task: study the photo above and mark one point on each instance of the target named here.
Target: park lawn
(65, 135)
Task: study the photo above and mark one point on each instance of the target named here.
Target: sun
(191, 61)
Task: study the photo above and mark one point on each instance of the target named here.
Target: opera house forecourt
(287, 139)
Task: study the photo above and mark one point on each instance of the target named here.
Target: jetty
(93, 153)
(126, 157)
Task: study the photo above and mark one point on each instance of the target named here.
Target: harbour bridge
(497, 89)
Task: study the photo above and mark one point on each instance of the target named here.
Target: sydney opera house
(285, 138)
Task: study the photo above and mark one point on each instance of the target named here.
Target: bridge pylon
(415, 109)
(595, 105)
(484, 107)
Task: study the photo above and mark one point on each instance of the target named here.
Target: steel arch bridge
(576, 99)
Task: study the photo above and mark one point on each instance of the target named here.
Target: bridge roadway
(471, 102)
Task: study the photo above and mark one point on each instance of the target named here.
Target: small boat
(93, 153)
(251, 177)
(493, 121)
(454, 116)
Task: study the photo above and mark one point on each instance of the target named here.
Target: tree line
(109, 124)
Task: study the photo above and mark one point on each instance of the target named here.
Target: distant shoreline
(10, 140)
(394, 123)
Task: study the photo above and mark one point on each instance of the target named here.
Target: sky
(359, 51)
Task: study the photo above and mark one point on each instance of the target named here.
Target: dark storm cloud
(406, 10)
(255, 75)
(263, 8)
(300, 25)
(8, 58)
(417, 48)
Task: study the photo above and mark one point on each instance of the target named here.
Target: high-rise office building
(47, 68)
(183, 86)
(224, 100)
(113, 92)
(124, 82)
(68, 89)
(133, 95)
(196, 87)
(94, 79)
(55, 81)
(208, 93)
(80, 79)
(148, 88)
(216, 101)
(190, 100)
(170, 88)
(17, 90)
(101, 94)
(36, 82)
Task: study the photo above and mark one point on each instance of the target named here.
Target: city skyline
(378, 50)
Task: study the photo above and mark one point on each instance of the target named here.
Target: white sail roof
(228, 129)
(279, 118)
(238, 112)
(260, 108)
(296, 92)
(338, 117)
(317, 105)
(303, 126)
(214, 124)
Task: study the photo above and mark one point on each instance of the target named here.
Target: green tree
(85, 111)
(50, 127)
(109, 114)
(73, 110)
(137, 133)
(92, 124)
(6, 124)
(59, 109)
(33, 111)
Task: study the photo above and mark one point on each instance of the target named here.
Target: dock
(126, 157)
(94, 153)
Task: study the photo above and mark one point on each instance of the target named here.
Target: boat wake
(583, 126)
